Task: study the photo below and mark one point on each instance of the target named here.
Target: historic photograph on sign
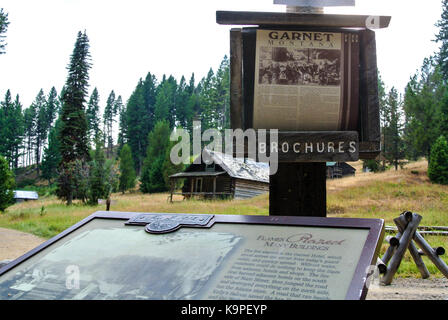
(299, 81)
(290, 66)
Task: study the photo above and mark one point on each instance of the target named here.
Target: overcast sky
(130, 38)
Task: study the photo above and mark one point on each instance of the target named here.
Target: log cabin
(222, 176)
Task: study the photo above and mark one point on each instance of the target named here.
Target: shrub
(7, 185)
(438, 164)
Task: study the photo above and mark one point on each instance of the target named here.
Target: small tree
(7, 184)
(98, 179)
(52, 155)
(438, 165)
(152, 173)
(127, 172)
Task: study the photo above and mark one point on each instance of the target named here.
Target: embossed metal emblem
(164, 223)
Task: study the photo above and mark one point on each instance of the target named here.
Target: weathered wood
(298, 19)
(315, 146)
(429, 252)
(236, 81)
(391, 250)
(405, 240)
(405, 219)
(440, 251)
(298, 189)
(382, 267)
(368, 93)
(245, 189)
(249, 36)
(393, 241)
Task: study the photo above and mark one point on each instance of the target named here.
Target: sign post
(313, 77)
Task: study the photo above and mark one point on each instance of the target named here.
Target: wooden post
(429, 252)
(108, 201)
(171, 190)
(394, 242)
(214, 187)
(298, 189)
(236, 83)
(404, 244)
(440, 251)
(414, 251)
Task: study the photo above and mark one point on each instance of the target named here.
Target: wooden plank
(314, 146)
(298, 189)
(369, 103)
(236, 81)
(297, 19)
(249, 52)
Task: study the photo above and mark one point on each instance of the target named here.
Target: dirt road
(13, 243)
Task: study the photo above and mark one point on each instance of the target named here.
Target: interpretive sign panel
(303, 81)
(316, 3)
(232, 257)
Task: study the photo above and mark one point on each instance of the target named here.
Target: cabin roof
(238, 168)
(28, 195)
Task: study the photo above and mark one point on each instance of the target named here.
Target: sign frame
(358, 287)
(242, 61)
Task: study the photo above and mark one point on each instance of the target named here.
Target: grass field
(367, 195)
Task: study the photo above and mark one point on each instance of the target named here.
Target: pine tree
(3, 28)
(29, 118)
(7, 185)
(136, 126)
(122, 129)
(40, 111)
(165, 106)
(442, 37)
(152, 173)
(6, 112)
(168, 168)
(52, 155)
(438, 165)
(52, 108)
(17, 132)
(422, 105)
(393, 129)
(93, 116)
(127, 172)
(98, 180)
(108, 121)
(72, 136)
(222, 87)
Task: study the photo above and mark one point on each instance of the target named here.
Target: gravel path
(411, 289)
(13, 244)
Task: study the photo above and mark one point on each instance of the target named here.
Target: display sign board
(316, 3)
(113, 255)
(306, 80)
(305, 73)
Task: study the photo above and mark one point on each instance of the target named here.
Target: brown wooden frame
(358, 286)
(242, 62)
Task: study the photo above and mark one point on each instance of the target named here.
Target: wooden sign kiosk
(314, 78)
